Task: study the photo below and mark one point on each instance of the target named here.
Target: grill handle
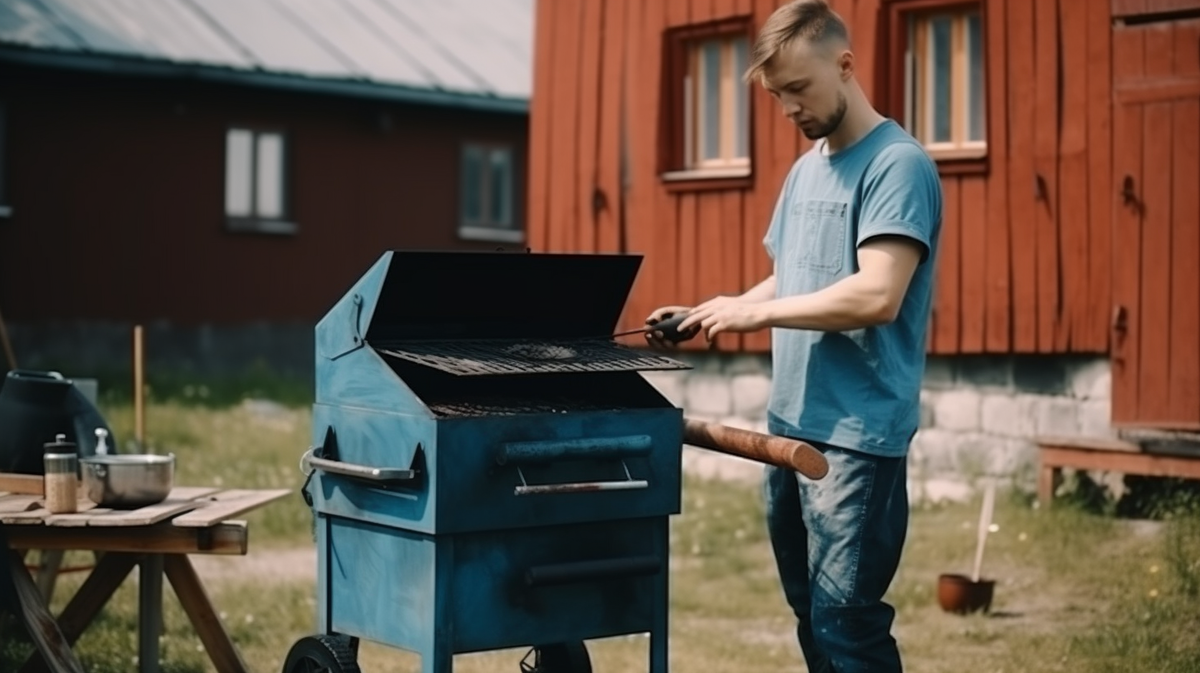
(375, 474)
(574, 449)
(587, 571)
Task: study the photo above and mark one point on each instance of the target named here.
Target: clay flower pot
(960, 595)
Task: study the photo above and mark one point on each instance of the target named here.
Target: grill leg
(437, 658)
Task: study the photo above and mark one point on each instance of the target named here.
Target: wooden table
(157, 539)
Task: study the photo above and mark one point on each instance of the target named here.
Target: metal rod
(139, 420)
(582, 487)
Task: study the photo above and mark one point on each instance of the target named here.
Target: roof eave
(138, 67)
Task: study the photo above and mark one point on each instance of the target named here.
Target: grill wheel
(322, 654)
(569, 657)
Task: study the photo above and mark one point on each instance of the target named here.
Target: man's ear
(846, 65)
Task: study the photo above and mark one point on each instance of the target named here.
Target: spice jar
(62, 475)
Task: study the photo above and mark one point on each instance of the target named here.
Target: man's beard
(830, 124)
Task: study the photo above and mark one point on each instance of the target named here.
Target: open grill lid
(490, 313)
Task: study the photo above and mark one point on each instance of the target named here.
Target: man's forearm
(851, 303)
(764, 291)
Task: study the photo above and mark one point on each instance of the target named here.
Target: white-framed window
(717, 128)
(488, 194)
(256, 194)
(945, 94)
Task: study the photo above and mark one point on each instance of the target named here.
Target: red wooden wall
(1027, 245)
(117, 190)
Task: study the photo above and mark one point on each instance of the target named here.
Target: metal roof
(474, 53)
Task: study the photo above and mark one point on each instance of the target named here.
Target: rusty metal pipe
(782, 452)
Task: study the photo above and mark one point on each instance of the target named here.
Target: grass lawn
(1077, 590)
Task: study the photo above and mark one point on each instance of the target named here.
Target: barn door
(1156, 235)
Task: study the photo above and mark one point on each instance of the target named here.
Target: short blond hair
(812, 20)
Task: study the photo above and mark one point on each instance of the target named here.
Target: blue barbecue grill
(489, 470)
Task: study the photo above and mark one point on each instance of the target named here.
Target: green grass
(1077, 591)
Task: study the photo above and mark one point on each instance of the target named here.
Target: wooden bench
(1110, 455)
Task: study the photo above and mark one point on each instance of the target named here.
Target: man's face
(808, 81)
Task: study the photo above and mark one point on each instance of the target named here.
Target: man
(853, 240)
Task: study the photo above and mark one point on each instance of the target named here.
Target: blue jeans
(837, 544)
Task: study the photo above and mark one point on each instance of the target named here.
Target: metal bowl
(127, 480)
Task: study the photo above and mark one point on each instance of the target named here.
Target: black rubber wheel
(323, 654)
(569, 657)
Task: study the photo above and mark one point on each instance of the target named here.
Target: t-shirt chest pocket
(819, 231)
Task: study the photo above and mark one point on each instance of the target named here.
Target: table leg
(38, 620)
(150, 572)
(83, 607)
(199, 609)
(1047, 476)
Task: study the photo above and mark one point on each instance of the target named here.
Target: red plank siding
(998, 337)
(1073, 217)
(645, 22)
(564, 129)
(1021, 184)
(1101, 197)
(947, 314)
(1157, 124)
(1185, 238)
(609, 219)
(1128, 65)
(973, 241)
(541, 122)
(583, 222)
(1045, 136)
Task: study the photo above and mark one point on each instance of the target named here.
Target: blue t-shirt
(858, 389)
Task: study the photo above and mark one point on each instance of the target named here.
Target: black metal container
(37, 406)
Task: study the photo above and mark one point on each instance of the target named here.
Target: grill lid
(479, 313)
(501, 295)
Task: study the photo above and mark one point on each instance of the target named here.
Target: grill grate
(492, 357)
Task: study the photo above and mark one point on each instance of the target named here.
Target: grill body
(495, 479)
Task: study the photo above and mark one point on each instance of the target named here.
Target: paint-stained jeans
(837, 543)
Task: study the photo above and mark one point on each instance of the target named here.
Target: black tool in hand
(669, 327)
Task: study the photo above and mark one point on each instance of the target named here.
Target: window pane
(472, 187)
(710, 60)
(270, 176)
(501, 183)
(975, 53)
(741, 93)
(940, 45)
(237, 172)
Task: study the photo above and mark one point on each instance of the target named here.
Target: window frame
(892, 88)
(677, 118)
(254, 223)
(485, 229)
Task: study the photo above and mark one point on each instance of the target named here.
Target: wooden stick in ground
(8, 351)
(985, 524)
(139, 421)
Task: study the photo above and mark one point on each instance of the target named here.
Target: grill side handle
(384, 475)
(519, 453)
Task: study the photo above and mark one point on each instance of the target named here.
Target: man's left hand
(727, 316)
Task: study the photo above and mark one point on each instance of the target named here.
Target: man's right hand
(655, 338)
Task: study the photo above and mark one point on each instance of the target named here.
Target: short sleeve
(902, 195)
(775, 228)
